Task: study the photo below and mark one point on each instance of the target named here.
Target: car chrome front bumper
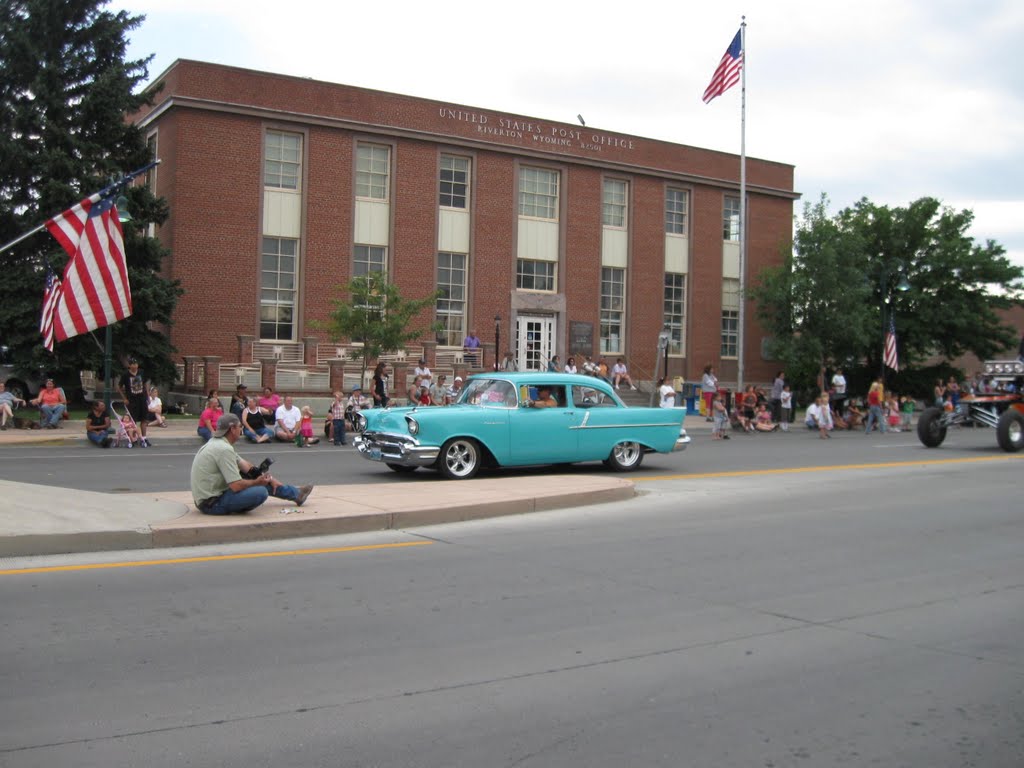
(402, 450)
(682, 441)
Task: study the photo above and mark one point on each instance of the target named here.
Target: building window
(730, 316)
(278, 278)
(676, 204)
(731, 219)
(367, 259)
(372, 169)
(454, 181)
(613, 305)
(535, 275)
(451, 304)
(614, 203)
(675, 310)
(538, 193)
(282, 161)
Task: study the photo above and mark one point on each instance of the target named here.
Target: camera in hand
(262, 469)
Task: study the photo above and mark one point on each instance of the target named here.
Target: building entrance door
(535, 342)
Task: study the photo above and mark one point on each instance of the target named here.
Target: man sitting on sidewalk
(218, 487)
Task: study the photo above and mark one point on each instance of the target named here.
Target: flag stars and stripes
(728, 72)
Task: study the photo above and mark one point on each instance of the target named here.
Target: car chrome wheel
(459, 459)
(1010, 431)
(625, 457)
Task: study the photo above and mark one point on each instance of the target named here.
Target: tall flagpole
(743, 207)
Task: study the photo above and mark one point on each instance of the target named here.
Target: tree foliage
(374, 313)
(65, 89)
(828, 303)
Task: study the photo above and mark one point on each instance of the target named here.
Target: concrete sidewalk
(39, 520)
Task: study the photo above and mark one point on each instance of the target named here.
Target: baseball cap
(357, 388)
(225, 423)
(458, 378)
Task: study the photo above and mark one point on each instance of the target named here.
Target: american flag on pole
(95, 292)
(728, 72)
(889, 355)
(51, 295)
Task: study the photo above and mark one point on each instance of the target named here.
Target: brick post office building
(564, 239)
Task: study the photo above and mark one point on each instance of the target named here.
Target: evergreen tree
(65, 89)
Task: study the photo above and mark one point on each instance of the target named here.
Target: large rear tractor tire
(1010, 431)
(930, 429)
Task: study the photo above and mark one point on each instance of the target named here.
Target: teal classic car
(520, 419)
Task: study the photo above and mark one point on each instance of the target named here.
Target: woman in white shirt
(570, 366)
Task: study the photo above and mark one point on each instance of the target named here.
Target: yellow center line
(830, 468)
(210, 558)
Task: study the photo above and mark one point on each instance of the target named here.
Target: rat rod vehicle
(1001, 409)
(520, 419)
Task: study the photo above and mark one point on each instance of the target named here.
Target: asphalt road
(166, 467)
(858, 615)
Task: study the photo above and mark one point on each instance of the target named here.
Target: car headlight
(360, 422)
(414, 426)
(1018, 367)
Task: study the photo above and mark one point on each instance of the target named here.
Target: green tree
(375, 314)
(65, 88)
(828, 303)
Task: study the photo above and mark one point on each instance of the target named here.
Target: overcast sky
(886, 99)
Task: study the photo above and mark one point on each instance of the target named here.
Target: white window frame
(731, 219)
(373, 171)
(282, 160)
(613, 309)
(453, 182)
(275, 292)
(730, 317)
(677, 204)
(538, 193)
(452, 282)
(527, 279)
(367, 259)
(674, 311)
(614, 194)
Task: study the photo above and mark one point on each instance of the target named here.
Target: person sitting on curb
(289, 420)
(8, 401)
(218, 487)
(52, 405)
(97, 425)
(254, 423)
(208, 419)
(819, 417)
(239, 400)
(156, 408)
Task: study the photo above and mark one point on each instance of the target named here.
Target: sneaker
(144, 443)
(107, 441)
(633, 388)
(3, 427)
(304, 492)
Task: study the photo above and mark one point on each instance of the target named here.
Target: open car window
(586, 397)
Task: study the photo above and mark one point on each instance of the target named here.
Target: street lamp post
(497, 341)
(888, 310)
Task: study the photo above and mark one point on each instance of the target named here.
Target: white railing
(302, 380)
(232, 375)
(282, 351)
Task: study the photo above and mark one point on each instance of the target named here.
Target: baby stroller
(126, 428)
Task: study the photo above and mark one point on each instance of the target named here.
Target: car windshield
(490, 393)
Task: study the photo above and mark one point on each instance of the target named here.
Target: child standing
(720, 416)
(787, 408)
(306, 428)
(907, 412)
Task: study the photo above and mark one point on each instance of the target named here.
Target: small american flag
(51, 297)
(728, 72)
(889, 353)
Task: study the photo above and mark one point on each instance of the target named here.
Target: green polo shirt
(214, 468)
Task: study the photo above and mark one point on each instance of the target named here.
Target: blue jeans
(339, 431)
(875, 415)
(98, 437)
(252, 436)
(237, 502)
(204, 433)
(52, 414)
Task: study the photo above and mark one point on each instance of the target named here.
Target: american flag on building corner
(95, 292)
(51, 295)
(728, 72)
(889, 355)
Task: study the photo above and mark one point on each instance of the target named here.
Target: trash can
(691, 406)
